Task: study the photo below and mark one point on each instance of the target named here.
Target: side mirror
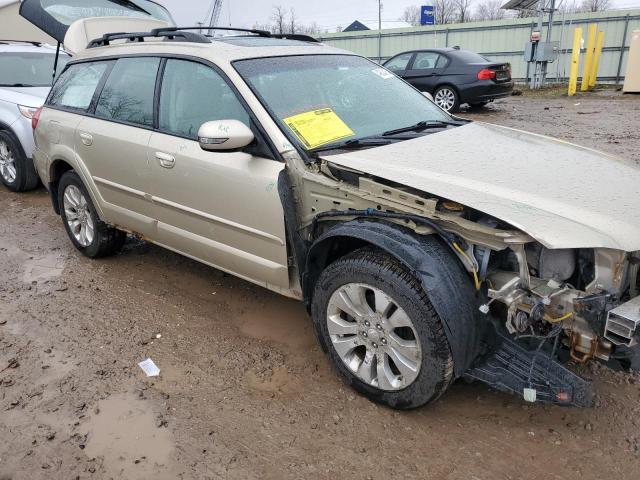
(221, 135)
(428, 95)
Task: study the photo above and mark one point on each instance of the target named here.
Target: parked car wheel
(89, 234)
(447, 98)
(380, 330)
(16, 170)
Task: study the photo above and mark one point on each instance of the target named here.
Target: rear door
(222, 208)
(425, 69)
(113, 143)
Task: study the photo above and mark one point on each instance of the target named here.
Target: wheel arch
(58, 168)
(440, 273)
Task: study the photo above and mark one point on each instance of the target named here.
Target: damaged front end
(542, 306)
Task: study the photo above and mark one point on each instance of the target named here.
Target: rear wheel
(446, 98)
(380, 330)
(87, 232)
(17, 172)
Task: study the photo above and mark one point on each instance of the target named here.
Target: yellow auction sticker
(318, 127)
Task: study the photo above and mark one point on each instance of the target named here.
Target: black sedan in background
(453, 76)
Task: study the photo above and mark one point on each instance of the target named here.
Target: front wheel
(380, 330)
(447, 98)
(89, 234)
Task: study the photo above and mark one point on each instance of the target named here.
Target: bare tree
(462, 10)
(411, 15)
(293, 27)
(490, 10)
(279, 18)
(445, 11)
(595, 5)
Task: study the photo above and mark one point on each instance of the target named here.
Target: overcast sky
(326, 13)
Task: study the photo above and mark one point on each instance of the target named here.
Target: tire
(447, 98)
(98, 239)
(17, 172)
(429, 366)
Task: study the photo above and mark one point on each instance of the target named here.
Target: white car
(26, 74)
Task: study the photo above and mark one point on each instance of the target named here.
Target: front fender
(432, 262)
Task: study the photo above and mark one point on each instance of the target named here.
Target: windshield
(322, 99)
(29, 69)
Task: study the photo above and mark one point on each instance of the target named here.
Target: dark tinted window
(425, 60)
(76, 87)
(30, 69)
(469, 57)
(128, 93)
(193, 94)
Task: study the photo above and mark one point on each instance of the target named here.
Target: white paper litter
(150, 368)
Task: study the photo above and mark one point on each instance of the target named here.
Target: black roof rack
(184, 34)
(31, 42)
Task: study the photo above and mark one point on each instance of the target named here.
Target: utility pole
(379, 30)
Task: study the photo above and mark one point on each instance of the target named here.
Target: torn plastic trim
(432, 262)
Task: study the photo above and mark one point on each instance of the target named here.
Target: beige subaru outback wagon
(426, 248)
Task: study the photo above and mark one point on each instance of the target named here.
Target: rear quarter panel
(55, 141)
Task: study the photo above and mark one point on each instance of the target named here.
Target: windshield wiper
(424, 125)
(354, 144)
(16, 85)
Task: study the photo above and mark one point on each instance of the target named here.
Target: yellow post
(588, 59)
(575, 61)
(596, 60)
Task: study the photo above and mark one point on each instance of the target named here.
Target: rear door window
(77, 85)
(425, 60)
(128, 93)
(193, 94)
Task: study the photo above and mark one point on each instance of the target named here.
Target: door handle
(86, 138)
(165, 160)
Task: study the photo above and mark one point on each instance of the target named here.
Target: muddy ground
(244, 391)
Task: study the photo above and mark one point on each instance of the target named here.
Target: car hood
(563, 195)
(27, 96)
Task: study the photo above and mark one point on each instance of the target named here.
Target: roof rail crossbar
(31, 42)
(295, 36)
(261, 33)
(184, 34)
(168, 33)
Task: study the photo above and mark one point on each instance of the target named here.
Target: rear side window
(128, 93)
(76, 87)
(193, 94)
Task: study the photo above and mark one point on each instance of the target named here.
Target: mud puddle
(124, 434)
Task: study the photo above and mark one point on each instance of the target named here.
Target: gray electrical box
(541, 51)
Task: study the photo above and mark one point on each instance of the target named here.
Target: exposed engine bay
(585, 300)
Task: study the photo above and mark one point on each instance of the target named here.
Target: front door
(222, 208)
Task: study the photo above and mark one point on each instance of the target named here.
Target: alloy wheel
(374, 337)
(7, 163)
(445, 98)
(78, 216)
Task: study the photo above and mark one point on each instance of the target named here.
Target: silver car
(26, 74)
(425, 247)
